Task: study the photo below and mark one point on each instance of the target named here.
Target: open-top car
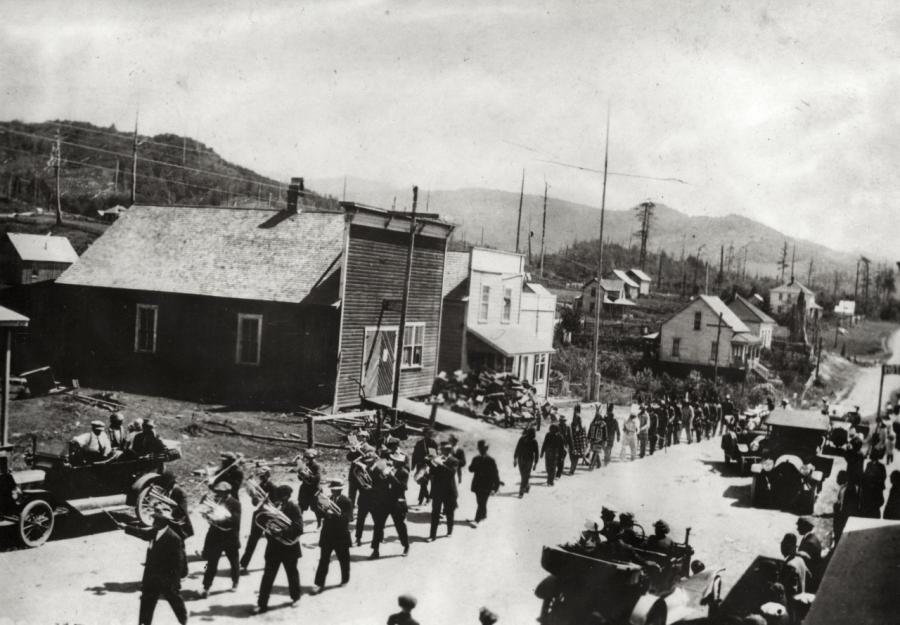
(742, 446)
(58, 484)
(791, 468)
(603, 585)
(844, 422)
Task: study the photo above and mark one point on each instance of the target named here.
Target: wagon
(53, 486)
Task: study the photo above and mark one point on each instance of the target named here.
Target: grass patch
(867, 340)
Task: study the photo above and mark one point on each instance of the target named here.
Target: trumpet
(216, 514)
(361, 473)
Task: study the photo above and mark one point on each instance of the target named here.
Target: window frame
(676, 347)
(238, 351)
(506, 311)
(137, 327)
(713, 350)
(539, 371)
(484, 303)
(412, 346)
(698, 320)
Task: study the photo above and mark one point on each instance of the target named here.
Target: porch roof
(512, 340)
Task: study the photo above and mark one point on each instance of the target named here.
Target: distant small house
(761, 324)
(783, 298)
(706, 335)
(29, 258)
(494, 318)
(642, 279)
(845, 308)
(111, 214)
(615, 302)
(632, 290)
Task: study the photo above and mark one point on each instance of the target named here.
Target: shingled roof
(214, 251)
(43, 248)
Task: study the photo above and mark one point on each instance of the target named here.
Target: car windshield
(798, 439)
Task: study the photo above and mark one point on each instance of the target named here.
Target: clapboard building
(30, 258)
(251, 305)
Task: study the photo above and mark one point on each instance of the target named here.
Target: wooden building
(760, 324)
(615, 303)
(783, 298)
(494, 318)
(30, 258)
(642, 279)
(704, 335)
(251, 305)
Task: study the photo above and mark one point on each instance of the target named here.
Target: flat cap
(98, 424)
(222, 487)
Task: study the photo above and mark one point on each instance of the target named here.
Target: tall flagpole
(594, 394)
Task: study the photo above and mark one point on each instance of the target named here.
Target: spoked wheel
(35, 523)
(143, 505)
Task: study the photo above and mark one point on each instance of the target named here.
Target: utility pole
(543, 229)
(344, 192)
(398, 357)
(793, 261)
(706, 284)
(809, 273)
(519, 223)
(719, 325)
(659, 269)
(55, 160)
(117, 175)
(683, 267)
(530, 235)
(782, 264)
(594, 393)
(721, 275)
(856, 284)
(866, 262)
(134, 157)
(744, 270)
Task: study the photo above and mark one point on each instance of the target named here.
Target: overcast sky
(785, 112)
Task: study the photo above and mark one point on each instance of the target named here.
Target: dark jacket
(612, 429)
(526, 453)
(485, 476)
(118, 438)
(234, 477)
(180, 514)
(553, 444)
(142, 445)
(443, 480)
(336, 529)
(275, 548)
(420, 451)
(565, 432)
(166, 562)
(229, 534)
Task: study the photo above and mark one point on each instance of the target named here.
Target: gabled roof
(214, 251)
(607, 284)
(511, 340)
(640, 275)
(746, 311)
(538, 289)
(43, 248)
(456, 271)
(794, 287)
(728, 316)
(623, 276)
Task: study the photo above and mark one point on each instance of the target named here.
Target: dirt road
(95, 579)
(865, 390)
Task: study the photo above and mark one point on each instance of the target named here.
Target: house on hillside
(631, 289)
(494, 318)
(614, 303)
(30, 258)
(783, 298)
(760, 324)
(706, 335)
(845, 308)
(642, 279)
(296, 306)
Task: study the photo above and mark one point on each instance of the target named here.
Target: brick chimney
(295, 190)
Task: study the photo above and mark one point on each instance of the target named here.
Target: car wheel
(35, 523)
(555, 609)
(143, 505)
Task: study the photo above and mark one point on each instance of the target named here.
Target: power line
(127, 137)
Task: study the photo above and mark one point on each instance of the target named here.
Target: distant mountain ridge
(493, 214)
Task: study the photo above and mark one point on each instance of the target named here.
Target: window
(145, 328)
(594, 291)
(676, 347)
(540, 367)
(249, 338)
(413, 342)
(592, 306)
(714, 350)
(485, 303)
(698, 320)
(781, 297)
(507, 305)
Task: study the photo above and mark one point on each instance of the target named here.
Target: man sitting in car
(146, 442)
(91, 447)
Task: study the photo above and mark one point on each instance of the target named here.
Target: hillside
(494, 213)
(96, 170)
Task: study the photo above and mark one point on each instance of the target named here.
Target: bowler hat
(805, 523)
(222, 487)
(283, 491)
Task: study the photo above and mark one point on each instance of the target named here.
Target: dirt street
(95, 579)
(865, 391)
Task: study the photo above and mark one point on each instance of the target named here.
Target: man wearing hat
(660, 541)
(146, 441)
(611, 528)
(164, 565)
(565, 432)
(419, 460)
(180, 514)
(486, 617)
(459, 454)
(223, 535)
(444, 493)
(268, 487)
(278, 553)
(485, 479)
(612, 433)
(407, 604)
(310, 474)
(230, 472)
(118, 437)
(93, 446)
(810, 547)
(335, 538)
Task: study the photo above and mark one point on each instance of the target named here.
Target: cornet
(216, 514)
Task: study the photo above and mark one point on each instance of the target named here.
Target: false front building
(494, 318)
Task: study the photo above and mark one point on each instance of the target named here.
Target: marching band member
(419, 460)
(364, 499)
(164, 566)
(335, 537)
(444, 492)
(310, 474)
(222, 537)
(180, 515)
(399, 506)
(282, 550)
(265, 483)
(230, 473)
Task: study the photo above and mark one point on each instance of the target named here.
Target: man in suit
(612, 433)
(118, 437)
(180, 514)
(310, 475)
(565, 432)
(335, 538)
(810, 547)
(420, 456)
(485, 479)
(223, 537)
(444, 493)
(230, 472)
(164, 566)
(267, 487)
(93, 446)
(282, 550)
(146, 441)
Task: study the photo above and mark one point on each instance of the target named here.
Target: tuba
(274, 523)
(326, 506)
(156, 495)
(216, 514)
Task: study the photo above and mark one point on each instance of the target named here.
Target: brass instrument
(215, 476)
(272, 521)
(361, 473)
(156, 494)
(326, 505)
(216, 514)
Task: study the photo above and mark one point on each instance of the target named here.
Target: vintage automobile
(791, 468)
(58, 484)
(843, 421)
(741, 446)
(603, 587)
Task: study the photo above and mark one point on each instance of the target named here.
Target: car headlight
(806, 470)
(768, 464)
(742, 448)
(754, 446)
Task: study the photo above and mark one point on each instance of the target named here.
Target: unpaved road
(865, 390)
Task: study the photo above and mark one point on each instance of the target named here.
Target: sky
(784, 112)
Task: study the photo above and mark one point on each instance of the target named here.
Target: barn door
(378, 362)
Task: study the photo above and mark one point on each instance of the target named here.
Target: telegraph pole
(719, 326)
(398, 357)
(56, 158)
(134, 147)
(519, 224)
(543, 229)
(595, 373)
